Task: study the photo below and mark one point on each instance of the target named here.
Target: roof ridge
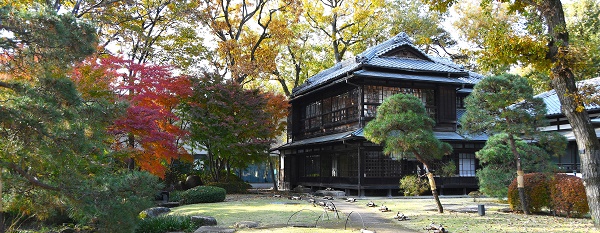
(399, 40)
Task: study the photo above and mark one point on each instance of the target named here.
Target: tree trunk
(131, 145)
(563, 82)
(434, 192)
(2, 228)
(273, 175)
(520, 173)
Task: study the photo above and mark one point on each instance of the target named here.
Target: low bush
(202, 194)
(568, 195)
(238, 187)
(537, 193)
(175, 195)
(413, 185)
(166, 223)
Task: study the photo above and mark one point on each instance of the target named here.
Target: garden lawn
(273, 214)
(423, 211)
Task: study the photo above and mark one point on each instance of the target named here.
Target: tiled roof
(338, 70)
(399, 76)
(411, 64)
(322, 139)
(473, 78)
(444, 136)
(553, 106)
(571, 136)
(373, 57)
(359, 134)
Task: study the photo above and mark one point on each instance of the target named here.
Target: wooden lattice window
(375, 95)
(312, 166)
(348, 165)
(379, 165)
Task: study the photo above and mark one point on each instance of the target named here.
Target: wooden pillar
(360, 172)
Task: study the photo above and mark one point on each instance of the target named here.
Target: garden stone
(204, 220)
(156, 211)
(246, 224)
(193, 181)
(213, 229)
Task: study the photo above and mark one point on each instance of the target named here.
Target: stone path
(372, 220)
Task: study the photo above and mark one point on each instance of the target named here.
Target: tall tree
(42, 41)
(505, 104)
(498, 163)
(300, 57)
(403, 126)
(150, 129)
(346, 25)
(247, 34)
(52, 141)
(555, 55)
(422, 24)
(331, 31)
(234, 125)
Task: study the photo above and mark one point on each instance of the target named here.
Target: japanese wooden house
(569, 161)
(326, 147)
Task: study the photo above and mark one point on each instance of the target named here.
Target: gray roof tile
(553, 106)
(372, 57)
(399, 76)
(411, 64)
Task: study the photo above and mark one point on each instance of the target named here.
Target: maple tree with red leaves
(149, 132)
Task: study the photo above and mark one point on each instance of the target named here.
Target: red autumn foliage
(568, 195)
(536, 192)
(148, 131)
(562, 193)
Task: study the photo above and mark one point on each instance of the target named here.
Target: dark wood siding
(446, 103)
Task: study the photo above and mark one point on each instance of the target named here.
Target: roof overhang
(409, 77)
(322, 139)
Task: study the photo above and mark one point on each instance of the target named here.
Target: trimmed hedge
(562, 193)
(166, 223)
(568, 195)
(239, 187)
(537, 192)
(202, 194)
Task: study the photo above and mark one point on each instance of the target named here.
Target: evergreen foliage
(202, 194)
(403, 126)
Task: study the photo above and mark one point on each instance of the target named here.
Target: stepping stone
(204, 220)
(156, 211)
(245, 224)
(213, 229)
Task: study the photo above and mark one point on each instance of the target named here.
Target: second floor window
(331, 110)
(374, 96)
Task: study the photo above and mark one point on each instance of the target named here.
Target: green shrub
(175, 195)
(494, 181)
(568, 195)
(537, 192)
(239, 187)
(413, 185)
(202, 194)
(112, 202)
(166, 223)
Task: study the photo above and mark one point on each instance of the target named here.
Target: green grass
(273, 214)
(422, 212)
